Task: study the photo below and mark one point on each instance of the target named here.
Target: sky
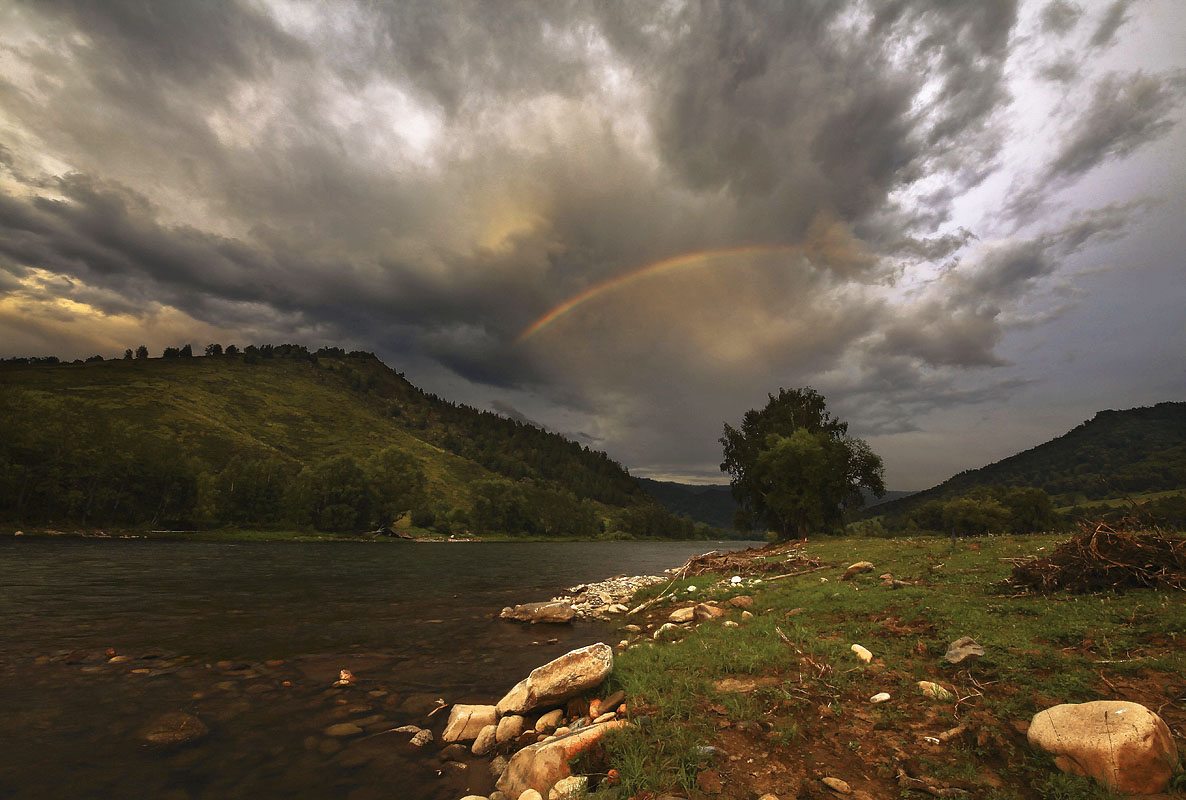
(961, 221)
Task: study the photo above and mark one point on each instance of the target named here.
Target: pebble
(862, 653)
(935, 691)
(880, 697)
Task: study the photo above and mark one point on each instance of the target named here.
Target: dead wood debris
(781, 558)
(1102, 558)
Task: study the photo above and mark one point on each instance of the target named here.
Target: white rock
(668, 630)
(862, 653)
(880, 697)
(736, 579)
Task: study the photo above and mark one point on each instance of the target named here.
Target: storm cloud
(888, 192)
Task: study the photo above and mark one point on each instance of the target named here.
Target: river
(250, 637)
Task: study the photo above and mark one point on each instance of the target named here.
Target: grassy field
(781, 714)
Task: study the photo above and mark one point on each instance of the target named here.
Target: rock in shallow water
(174, 728)
(467, 721)
(560, 679)
(552, 612)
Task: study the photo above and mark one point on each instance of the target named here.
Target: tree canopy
(794, 468)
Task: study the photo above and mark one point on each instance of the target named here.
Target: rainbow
(672, 264)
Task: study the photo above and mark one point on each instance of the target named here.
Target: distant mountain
(713, 503)
(279, 435)
(1113, 454)
(710, 503)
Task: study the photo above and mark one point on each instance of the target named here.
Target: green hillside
(278, 435)
(1113, 455)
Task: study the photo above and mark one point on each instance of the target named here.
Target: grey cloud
(1114, 17)
(188, 42)
(251, 169)
(1064, 70)
(1060, 17)
(1126, 111)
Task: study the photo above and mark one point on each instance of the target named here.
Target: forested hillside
(1113, 455)
(273, 436)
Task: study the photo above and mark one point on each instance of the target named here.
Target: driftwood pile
(1105, 559)
(781, 558)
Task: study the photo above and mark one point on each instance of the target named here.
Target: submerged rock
(551, 612)
(174, 728)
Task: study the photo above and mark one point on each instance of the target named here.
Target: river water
(249, 637)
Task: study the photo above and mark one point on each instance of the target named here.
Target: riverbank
(254, 535)
(766, 695)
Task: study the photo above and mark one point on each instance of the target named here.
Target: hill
(1114, 454)
(713, 503)
(278, 435)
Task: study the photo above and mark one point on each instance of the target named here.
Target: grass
(1040, 651)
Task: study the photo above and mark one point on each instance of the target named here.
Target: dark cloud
(1113, 18)
(426, 180)
(1060, 17)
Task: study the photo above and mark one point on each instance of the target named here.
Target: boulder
(174, 728)
(1121, 744)
(963, 649)
(703, 612)
(856, 569)
(542, 765)
(550, 721)
(486, 740)
(509, 727)
(466, 722)
(571, 788)
(560, 679)
(554, 612)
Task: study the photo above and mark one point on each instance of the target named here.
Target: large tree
(794, 468)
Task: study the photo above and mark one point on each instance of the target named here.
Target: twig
(796, 574)
(659, 596)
